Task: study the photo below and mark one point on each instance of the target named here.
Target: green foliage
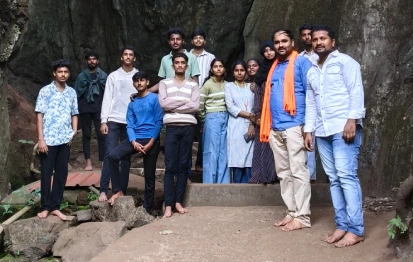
(63, 205)
(395, 223)
(26, 142)
(31, 197)
(92, 196)
(83, 207)
(7, 208)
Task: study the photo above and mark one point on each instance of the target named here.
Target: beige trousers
(290, 163)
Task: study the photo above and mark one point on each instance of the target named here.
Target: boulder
(85, 241)
(82, 199)
(34, 237)
(123, 210)
(84, 215)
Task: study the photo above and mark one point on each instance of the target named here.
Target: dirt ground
(246, 234)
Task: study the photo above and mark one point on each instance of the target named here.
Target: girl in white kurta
(239, 100)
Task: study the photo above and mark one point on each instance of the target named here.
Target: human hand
(308, 142)
(349, 132)
(42, 147)
(147, 147)
(104, 128)
(138, 147)
(251, 131)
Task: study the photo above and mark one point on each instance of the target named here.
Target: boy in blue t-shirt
(143, 125)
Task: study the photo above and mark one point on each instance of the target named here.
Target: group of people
(262, 127)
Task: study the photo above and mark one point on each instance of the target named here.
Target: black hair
(128, 47)
(305, 26)
(140, 75)
(89, 53)
(285, 31)
(198, 32)
(330, 31)
(254, 59)
(265, 44)
(210, 74)
(176, 55)
(60, 63)
(238, 62)
(177, 31)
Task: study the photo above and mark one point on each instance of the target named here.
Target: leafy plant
(26, 142)
(63, 205)
(31, 197)
(7, 208)
(395, 223)
(92, 196)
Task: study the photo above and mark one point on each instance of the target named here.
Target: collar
(335, 53)
(185, 52)
(202, 54)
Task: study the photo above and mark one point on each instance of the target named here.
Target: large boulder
(85, 241)
(34, 237)
(123, 210)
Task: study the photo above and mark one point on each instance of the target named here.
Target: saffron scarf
(289, 96)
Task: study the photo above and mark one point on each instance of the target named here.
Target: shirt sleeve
(202, 100)
(74, 109)
(310, 109)
(305, 67)
(167, 103)
(107, 99)
(194, 66)
(193, 105)
(158, 112)
(41, 102)
(233, 109)
(354, 84)
(130, 123)
(162, 71)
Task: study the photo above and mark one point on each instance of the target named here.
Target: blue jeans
(116, 133)
(311, 163)
(340, 162)
(215, 168)
(241, 174)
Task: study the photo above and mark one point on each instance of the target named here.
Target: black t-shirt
(92, 107)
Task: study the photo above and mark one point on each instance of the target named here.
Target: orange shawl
(289, 96)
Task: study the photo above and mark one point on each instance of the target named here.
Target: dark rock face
(376, 33)
(12, 19)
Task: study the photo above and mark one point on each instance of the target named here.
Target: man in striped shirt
(179, 98)
(204, 61)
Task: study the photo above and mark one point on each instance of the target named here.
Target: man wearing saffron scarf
(282, 122)
(334, 110)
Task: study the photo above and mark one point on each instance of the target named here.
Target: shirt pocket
(314, 81)
(333, 76)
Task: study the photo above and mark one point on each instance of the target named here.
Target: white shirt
(204, 62)
(312, 56)
(334, 95)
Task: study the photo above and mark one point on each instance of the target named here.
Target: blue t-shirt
(57, 108)
(144, 118)
(281, 119)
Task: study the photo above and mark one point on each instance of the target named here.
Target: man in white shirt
(119, 88)
(334, 110)
(305, 36)
(204, 61)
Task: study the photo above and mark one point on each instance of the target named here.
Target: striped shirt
(212, 98)
(204, 63)
(180, 102)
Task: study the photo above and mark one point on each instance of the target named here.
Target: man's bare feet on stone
(188, 181)
(113, 198)
(168, 212)
(335, 236)
(89, 166)
(58, 214)
(293, 225)
(180, 209)
(103, 197)
(348, 240)
(283, 222)
(43, 214)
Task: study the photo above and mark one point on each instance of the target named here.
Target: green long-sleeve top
(212, 98)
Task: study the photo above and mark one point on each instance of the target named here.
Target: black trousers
(199, 154)
(178, 148)
(86, 120)
(125, 150)
(56, 159)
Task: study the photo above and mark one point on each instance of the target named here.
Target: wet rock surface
(96, 236)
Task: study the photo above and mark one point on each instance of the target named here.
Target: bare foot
(88, 165)
(348, 240)
(188, 181)
(168, 212)
(43, 214)
(198, 168)
(335, 236)
(293, 225)
(180, 209)
(113, 198)
(103, 197)
(283, 222)
(58, 214)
